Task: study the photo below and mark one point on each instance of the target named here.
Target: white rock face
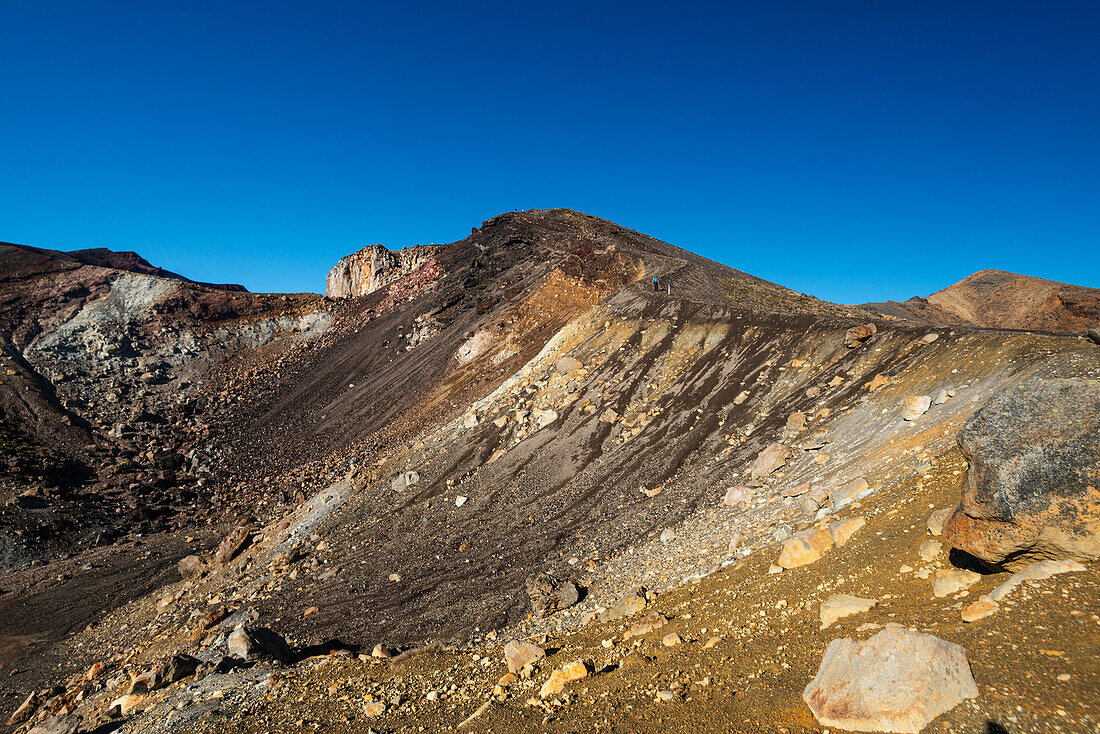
(896, 681)
(372, 268)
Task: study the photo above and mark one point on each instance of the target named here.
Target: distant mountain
(997, 299)
(21, 260)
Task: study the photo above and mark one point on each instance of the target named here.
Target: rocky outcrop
(1031, 491)
(374, 267)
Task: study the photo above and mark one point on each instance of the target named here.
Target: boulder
(857, 334)
(980, 609)
(550, 594)
(649, 622)
(632, 603)
(517, 655)
(233, 544)
(565, 365)
(848, 493)
(795, 422)
(1094, 335)
(804, 548)
(915, 406)
(259, 643)
(937, 519)
(896, 681)
(843, 605)
(1032, 490)
(771, 459)
(569, 672)
(63, 724)
(736, 495)
(842, 530)
(948, 581)
(191, 566)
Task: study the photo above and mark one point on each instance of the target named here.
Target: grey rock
(550, 594)
(259, 643)
(1030, 492)
(63, 724)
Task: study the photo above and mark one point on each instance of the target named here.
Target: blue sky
(857, 151)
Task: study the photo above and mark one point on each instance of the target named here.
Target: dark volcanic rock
(550, 594)
(1031, 491)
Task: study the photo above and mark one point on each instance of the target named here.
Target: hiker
(670, 284)
(656, 286)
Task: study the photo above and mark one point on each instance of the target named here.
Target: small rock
(26, 709)
(736, 495)
(1034, 572)
(843, 530)
(460, 500)
(384, 651)
(929, 549)
(565, 674)
(795, 422)
(937, 519)
(668, 534)
(855, 336)
(519, 654)
(838, 606)
(648, 623)
(929, 337)
(549, 594)
(941, 397)
(979, 609)
(915, 406)
(190, 566)
(805, 547)
(672, 639)
(63, 724)
(632, 603)
(947, 581)
(233, 544)
(770, 459)
(665, 696)
(253, 643)
(374, 709)
(565, 365)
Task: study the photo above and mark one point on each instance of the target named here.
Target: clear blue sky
(853, 150)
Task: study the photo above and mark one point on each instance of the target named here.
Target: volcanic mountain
(512, 438)
(997, 299)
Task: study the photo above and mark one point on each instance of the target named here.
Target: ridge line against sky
(855, 151)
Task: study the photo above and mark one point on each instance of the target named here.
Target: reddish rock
(771, 459)
(857, 334)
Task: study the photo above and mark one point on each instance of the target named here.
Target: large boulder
(1032, 490)
(896, 681)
